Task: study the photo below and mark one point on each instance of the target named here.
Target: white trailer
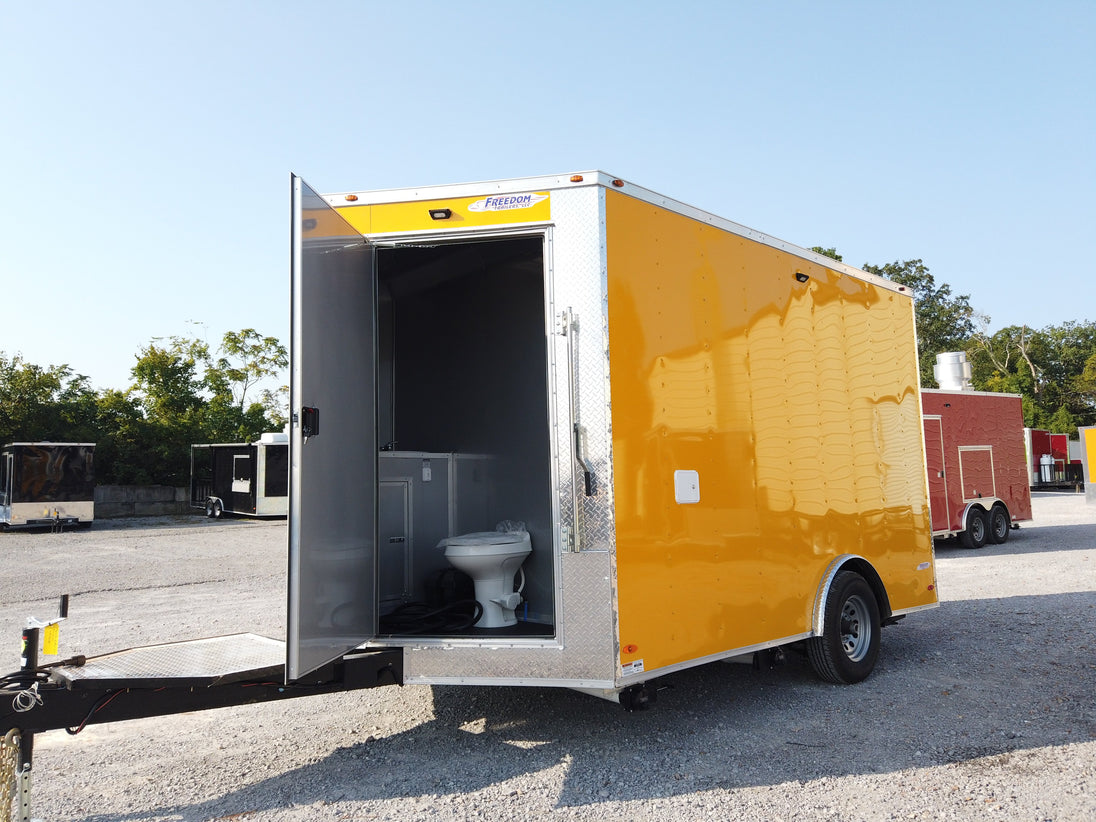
(248, 479)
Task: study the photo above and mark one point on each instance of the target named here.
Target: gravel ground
(981, 709)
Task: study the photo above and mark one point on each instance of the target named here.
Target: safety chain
(9, 756)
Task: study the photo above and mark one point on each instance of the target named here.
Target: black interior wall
(469, 374)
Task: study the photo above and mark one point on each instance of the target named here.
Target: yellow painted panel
(1089, 437)
(797, 404)
(467, 212)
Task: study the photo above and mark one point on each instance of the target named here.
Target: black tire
(214, 509)
(846, 651)
(1000, 524)
(976, 532)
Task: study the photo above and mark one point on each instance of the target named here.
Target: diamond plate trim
(580, 284)
(583, 653)
(586, 648)
(199, 660)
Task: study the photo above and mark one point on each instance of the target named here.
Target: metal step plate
(197, 662)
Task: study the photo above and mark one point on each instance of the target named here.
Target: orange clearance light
(576, 178)
(630, 649)
(618, 183)
(351, 197)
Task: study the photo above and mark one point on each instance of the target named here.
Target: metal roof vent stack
(952, 371)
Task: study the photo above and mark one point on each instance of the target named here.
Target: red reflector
(618, 183)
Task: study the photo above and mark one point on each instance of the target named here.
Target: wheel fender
(852, 562)
(983, 504)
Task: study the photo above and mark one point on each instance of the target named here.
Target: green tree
(245, 359)
(827, 252)
(50, 403)
(166, 377)
(168, 388)
(125, 451)
(1049, 367)
(190, 394)
(1086, 382)
(945, 322)
(181, 394)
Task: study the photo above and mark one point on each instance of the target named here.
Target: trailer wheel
(214, 509)
(846, 651)
(975, 535)
(1000, 524)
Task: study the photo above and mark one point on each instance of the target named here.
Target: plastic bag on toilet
(511, 526)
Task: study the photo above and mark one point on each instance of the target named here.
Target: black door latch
(310, 421)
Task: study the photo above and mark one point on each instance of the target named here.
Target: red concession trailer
(1047, 457)
(978, 476)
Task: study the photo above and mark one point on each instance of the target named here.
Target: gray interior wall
(469, 376)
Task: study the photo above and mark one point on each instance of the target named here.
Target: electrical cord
(100, 703)
(25, 676)
(420, 618)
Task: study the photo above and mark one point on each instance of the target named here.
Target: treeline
(1052, 368)
(183, 392)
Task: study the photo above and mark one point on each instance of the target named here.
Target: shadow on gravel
(1028, 540)
(973, 679)
(181, 521)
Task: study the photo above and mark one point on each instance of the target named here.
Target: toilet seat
(483, 543)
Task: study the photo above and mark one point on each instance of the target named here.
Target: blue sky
(148, 146)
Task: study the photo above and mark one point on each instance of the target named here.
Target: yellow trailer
(702, 442)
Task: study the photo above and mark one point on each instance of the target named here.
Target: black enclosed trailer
(246, 478)
(47, 484)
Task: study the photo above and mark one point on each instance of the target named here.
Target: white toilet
(491, 558)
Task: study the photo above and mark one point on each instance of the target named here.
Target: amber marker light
(576, 178)
(351, 197)
(630, 649)
(618, 183)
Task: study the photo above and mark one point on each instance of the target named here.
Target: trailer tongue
(159, 680)
(178, 677)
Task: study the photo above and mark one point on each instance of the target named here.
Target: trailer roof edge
(608, 181)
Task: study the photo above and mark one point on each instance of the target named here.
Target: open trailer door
(333, 449)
